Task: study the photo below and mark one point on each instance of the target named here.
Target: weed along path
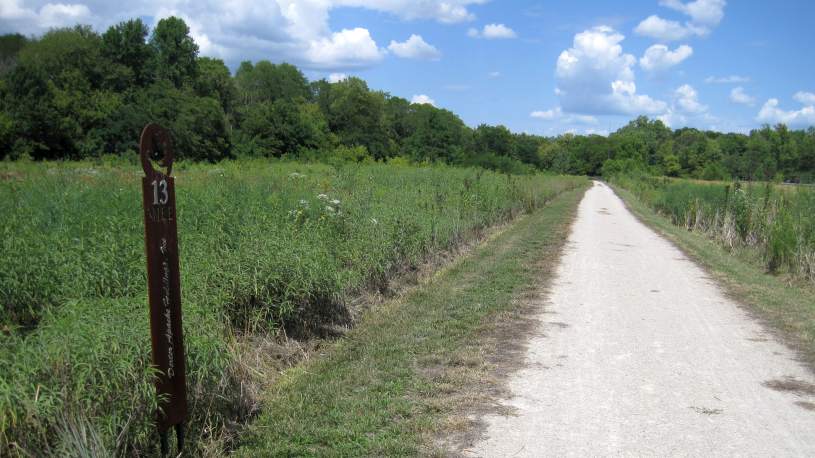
(639, 353)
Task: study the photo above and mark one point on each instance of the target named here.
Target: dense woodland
(74, 93)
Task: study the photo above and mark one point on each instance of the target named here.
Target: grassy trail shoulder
(787, 307)
(393, 382)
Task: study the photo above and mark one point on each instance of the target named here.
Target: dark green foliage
(356, 115)
(10, 46)
(281, 127)
(58, 97)
(124, 45)
(434, 135)
(215, 81)
(267, 82)
(175, 52)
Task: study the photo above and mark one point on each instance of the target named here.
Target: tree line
(74, 93)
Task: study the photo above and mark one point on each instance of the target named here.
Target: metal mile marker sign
(163, 281)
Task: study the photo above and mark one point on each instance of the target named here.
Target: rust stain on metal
(163, 279)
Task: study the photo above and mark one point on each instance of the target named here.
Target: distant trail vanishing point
(639, 353)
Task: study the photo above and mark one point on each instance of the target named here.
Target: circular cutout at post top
(156, 145)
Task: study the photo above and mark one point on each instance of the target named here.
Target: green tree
(282, 127)
(495, 140)
(215, 81)
(356, 115)
(125, 45)
(10, 47)
(175, 51)
(267, 82)
(57, 96)
(437, 135)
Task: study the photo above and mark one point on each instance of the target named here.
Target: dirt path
(639, 353)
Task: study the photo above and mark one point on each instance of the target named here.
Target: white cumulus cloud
(687, 110)
(492, 32)
(297, 31)
(807, 98)
(770, 113)
(704, 12)
(34, 17)
(345, 49)
(703, 15)
(422, 99)
(595, 76)
(660, 57)
(687, 100)
(737, 95)
(415, 48)
(662, 29)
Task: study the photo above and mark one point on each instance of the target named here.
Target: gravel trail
(639, 353)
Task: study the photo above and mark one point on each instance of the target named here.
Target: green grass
(374, 393)
(263, 245)
(787, 306)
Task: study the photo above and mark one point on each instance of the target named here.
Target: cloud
(557, 114)
(732, 79)
(661, 29)
(703, 16)
(687, 100)
(297, 31)
(737, 95)
(771, 114)
(18, 18)
(492, 32)
(554, 113)
(348, 48)
(660, 57)
(806, 98)
(422, 99)
(594, 76)
(494, 75)
(687, 110)
(704, 12)
(445, 11)
(337, 77)
(415, 48)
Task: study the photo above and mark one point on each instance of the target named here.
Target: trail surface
(639, 353)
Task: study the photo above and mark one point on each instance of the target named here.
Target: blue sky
(543, 67)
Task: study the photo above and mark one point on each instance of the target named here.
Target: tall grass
(776, 223)
(264, 246)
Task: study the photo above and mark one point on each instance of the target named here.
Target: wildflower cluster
(319, 210)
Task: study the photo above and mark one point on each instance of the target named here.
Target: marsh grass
(265, 246)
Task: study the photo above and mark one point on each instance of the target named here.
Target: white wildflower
(303, 202)
(335, 202)
(329, 209)
(322, 196)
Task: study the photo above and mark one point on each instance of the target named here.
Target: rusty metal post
(163, 282)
